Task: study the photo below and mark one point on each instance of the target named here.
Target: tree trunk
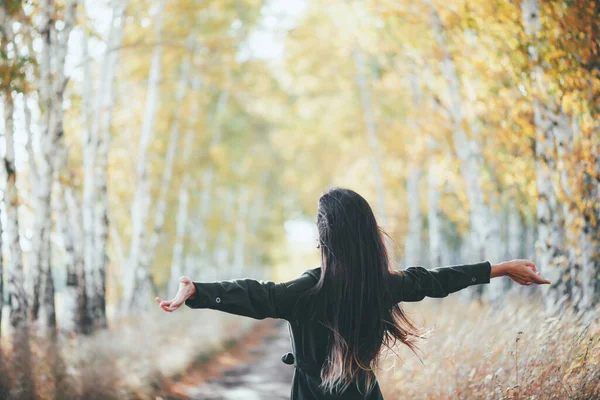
(239, 252)
(412, 247)
(371, 130)
(572, 261)
(96, 219)
(82, 313)
(24, 387)
(15, 279)
(141, 200)
(434, 215)
(548, 213)
(165, 185)
(51, 90)
(223, 247)
(590, 234)
(177, 267)
(89, 185)
(1, 287)
(200, 232)
(466, 147)
(181, 223)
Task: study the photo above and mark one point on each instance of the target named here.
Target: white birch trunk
(14, 266)
(201, 233)
(434, 214)
(494, 252)
(256, 217)
(223, 246)
(51, 90)
(141, 200)
(1, 279)
(590, 237)
(371, 131)
(23, 380)
(97, 219)
(72, 320)
(467, 148)
(83, 318)
(514, 233)
(181, 223)
(146, 258)
(177, 263)
(572, 261)
(89, 183)
(239, 252)
(548, 213)
(412, 247)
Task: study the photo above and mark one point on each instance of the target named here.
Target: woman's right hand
(185, 291)
(524, 272)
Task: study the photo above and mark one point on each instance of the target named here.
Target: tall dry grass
(135, 359)
(506, 351)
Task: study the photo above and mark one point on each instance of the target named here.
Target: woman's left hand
(185, 291)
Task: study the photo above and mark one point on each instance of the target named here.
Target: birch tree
(14, 276)
(147, 256)
(95, 191)
(52, 83)
(198, 227)
(549, 227)
(412, 252)
(371, 130)
(434, 214)
(14, 268)
(239, 252)
(184, 196)
(466, 146)
(140, 206)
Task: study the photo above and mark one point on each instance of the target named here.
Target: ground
(249, 370)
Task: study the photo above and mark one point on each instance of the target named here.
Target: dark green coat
(266, 299)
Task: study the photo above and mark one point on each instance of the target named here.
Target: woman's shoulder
(314, 272)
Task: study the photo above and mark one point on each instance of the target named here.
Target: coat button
(473, 279)
(218, 299)
(288, 358)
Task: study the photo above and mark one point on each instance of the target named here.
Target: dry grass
(509, 351)
(134, 360)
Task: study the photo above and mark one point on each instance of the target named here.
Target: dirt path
(250, 370)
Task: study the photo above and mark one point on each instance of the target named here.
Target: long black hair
(355, 301)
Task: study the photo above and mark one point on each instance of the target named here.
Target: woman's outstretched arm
(416, 283)
(247, 297)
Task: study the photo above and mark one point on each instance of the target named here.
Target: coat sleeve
(252, 298)
(416, 283)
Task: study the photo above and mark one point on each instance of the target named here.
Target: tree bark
(434, 215)
(590, 234)
(177, 267)
(51, 90)
(412, 247)
(24, 387)
(371, 131)
(89, 185)
(14, 273)
(141, 200)
(199, 227)
(466, 147)
(147, 256)
(239, 252)
(96, 218)
(549, 224)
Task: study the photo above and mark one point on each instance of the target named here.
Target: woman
(343, 313)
